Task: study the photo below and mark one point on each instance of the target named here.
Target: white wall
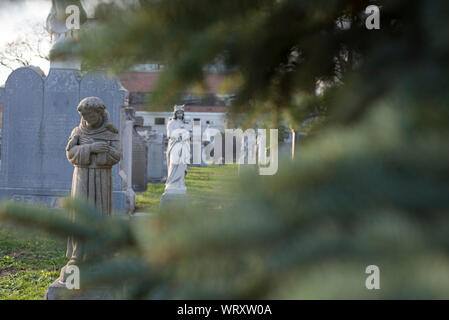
(216, 119)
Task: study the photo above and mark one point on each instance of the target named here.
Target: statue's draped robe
(92, 176)
(178, 155)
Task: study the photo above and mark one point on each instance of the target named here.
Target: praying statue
(93, 148)
(178, 155)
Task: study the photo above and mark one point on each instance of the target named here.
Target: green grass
(30, 261)
(209, 187)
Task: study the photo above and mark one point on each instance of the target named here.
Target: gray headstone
(155, 158)
(61, 96)
(38, 115)
(2, 94)
(138, 149)
(139, 158)
(126, 164)
(0, 146)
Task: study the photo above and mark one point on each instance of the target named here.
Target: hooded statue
(93, 148)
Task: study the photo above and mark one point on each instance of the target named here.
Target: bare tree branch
(26, 48)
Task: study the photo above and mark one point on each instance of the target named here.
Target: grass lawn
(209, 187)
(30, 262)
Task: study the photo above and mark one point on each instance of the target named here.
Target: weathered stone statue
(178, 156)
(93, 148)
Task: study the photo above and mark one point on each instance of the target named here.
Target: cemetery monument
(178, 157)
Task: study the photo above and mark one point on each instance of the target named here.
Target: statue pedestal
(71, 64)
(59, 291)
(174, 198)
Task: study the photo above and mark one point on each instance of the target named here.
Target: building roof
(188, 108)
(192, 108)
(138, 81)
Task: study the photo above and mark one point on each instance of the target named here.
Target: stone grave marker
(38, 115)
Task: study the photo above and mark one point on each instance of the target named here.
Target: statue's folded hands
(99, 147)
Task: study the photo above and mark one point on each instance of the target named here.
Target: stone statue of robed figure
(178, 156)
(93, 148)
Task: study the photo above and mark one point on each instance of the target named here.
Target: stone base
(137, 215)
(59, 291)
(44, 197)
(124, 202)
(174, 199)
(72, 64)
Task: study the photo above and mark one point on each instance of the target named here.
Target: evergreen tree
(368, 187)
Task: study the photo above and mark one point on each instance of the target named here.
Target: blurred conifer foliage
(369, 187)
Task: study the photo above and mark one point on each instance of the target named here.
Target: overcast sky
(16, 19)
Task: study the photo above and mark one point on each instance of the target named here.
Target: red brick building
(141, 84)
